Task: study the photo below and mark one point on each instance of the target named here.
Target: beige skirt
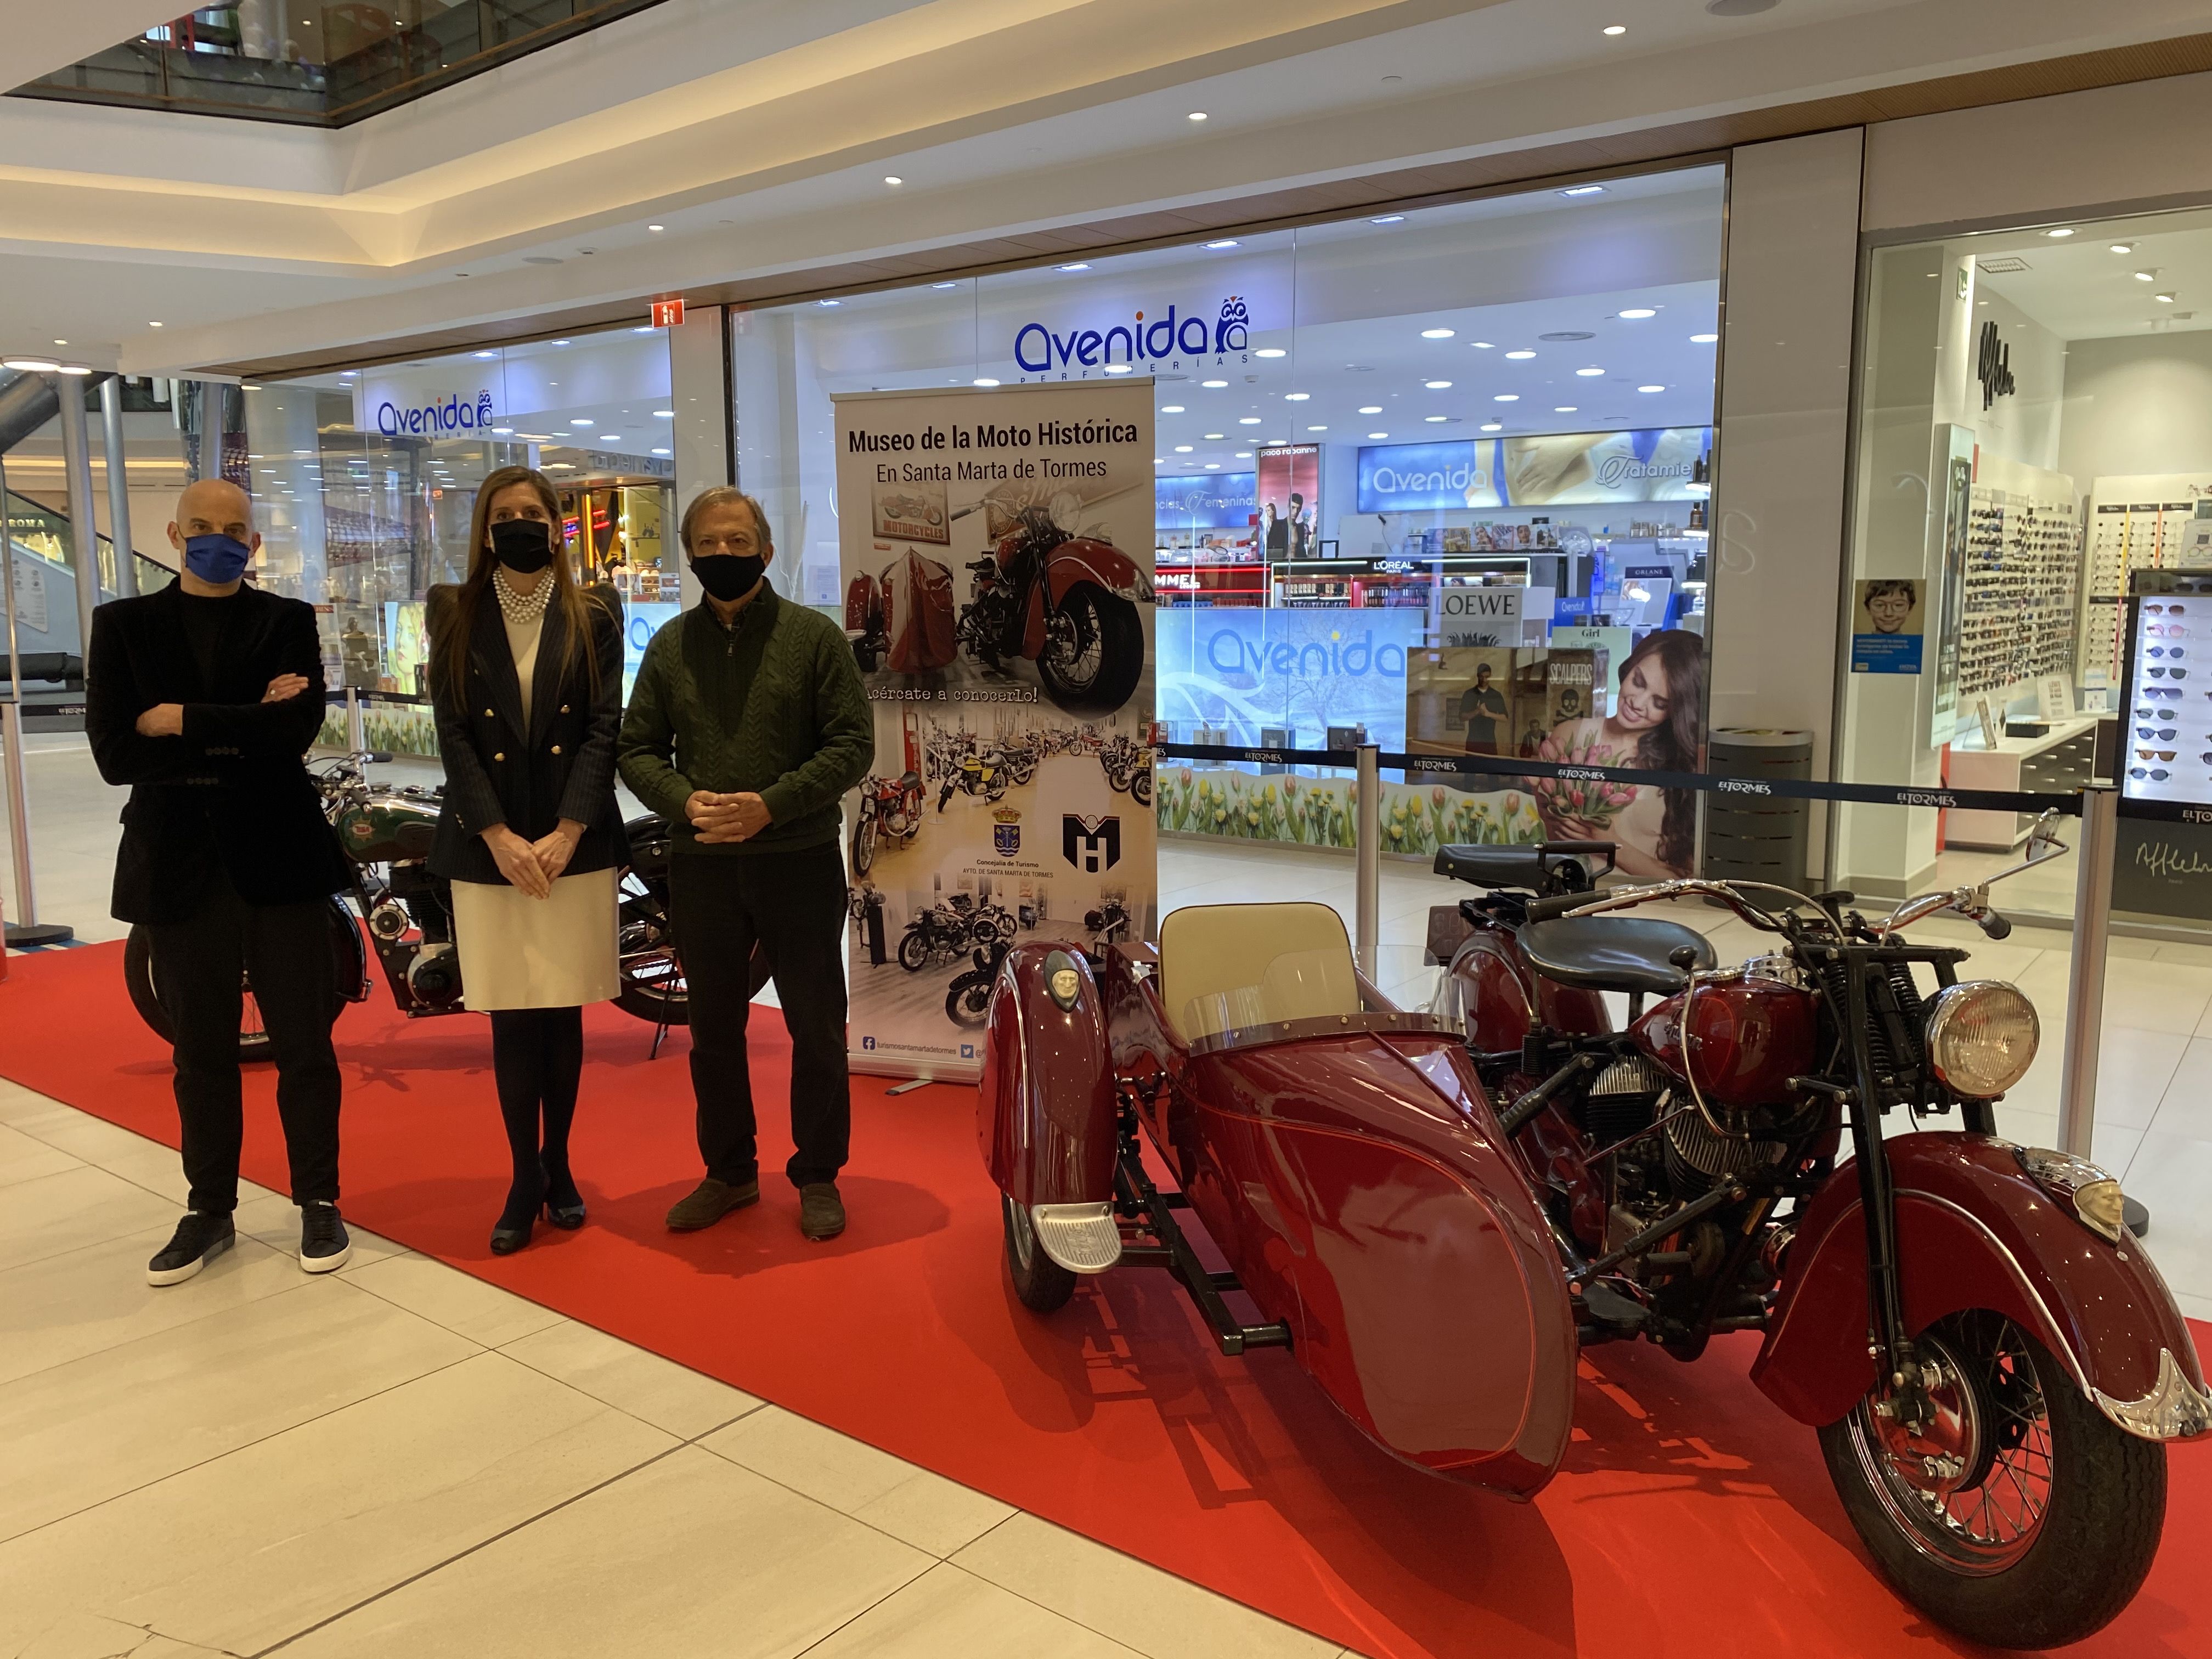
(521, 952)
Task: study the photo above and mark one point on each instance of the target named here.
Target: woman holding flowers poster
(1657, 724)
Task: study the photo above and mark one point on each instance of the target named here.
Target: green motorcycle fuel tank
(389, 826)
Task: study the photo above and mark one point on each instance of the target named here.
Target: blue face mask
(216, 560)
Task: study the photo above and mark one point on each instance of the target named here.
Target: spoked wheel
(1140, 787)
(864, 845)
(1042, 1283)
(969, 1005)
(253, 1043)
(2015, 1513)
(1094, 651)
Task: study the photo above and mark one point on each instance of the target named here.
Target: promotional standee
(997, 556)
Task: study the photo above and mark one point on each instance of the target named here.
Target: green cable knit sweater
(774, 705)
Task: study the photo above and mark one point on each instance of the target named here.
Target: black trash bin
(1758, 837)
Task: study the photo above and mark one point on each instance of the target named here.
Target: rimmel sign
(1038, 350)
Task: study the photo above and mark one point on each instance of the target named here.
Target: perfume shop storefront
(1457, 459)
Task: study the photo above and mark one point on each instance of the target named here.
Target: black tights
(537, 1058)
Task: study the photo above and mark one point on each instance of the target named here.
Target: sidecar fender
(1045, 1111)
(1975, 1231)
(1086, 561)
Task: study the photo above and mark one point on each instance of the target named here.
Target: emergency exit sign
(668, 313)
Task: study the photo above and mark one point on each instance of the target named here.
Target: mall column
(26, 930)
(119, 488)
(84, 532)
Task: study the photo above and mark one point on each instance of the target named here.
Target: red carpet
(1692, 1518)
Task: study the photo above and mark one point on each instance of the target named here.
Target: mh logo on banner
(1091, 845)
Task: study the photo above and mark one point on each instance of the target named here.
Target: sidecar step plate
(1083, 1238)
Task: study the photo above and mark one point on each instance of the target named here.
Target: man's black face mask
(729, 577)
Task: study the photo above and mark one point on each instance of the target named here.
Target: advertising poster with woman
(1657, 723)
(997, 556)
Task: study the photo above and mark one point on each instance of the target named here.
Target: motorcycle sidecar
(1340, 1152)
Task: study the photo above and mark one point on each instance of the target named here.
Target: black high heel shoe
(505, 1241)
(509, 1235)
(567, 1216)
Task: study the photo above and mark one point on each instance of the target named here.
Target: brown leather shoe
(821, 1212)
(708, 1202)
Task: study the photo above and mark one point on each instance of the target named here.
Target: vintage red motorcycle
(888, 807)
(1436, 1209)
(1069, 603)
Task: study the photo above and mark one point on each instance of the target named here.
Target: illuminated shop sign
(439, 418)
(1563, 469)
(1039, 349)
(1206, 500)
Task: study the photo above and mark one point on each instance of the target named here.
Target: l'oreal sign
(1039, 349)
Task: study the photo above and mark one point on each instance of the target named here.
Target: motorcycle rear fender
(1085, 560)
(1975, 1231)
(1045, 1111)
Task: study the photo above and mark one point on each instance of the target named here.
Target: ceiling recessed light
(579, 421)
(1077, 264)
(1195, 115)
(1211, 436)
(1638, 314)
(1520, 356)
(1507, 398)
(662, 451)
(664, 414)
(2062, 231)
(984, 379)
(656, 227)
(1378, 435)
(1184, 449)
(1433, 419)
(1117, 368)
(1438, 333)
(560, 342)
(1297, 397)
(1587, 372)
(893, 179)
(1214, 466)
(1225, 241)
(943, 285)
(348, 374)
(828, 303)
(1651, 388)
(496, 432)
(1170, 408)
(1494, 425)
(2123, 247)
(1614, 28)
(1482, 345)
(30, 366)
(1213, 385)
(61, 342)
(2140, 277)
(1583, 189)
(1243, 455)
(1371, 409)
(2163, 299)
(1437, 386)
(153, 324)
(487, 354)
(1316, 428)
(1565, 409)
(1703, 339)
(1269, 351)
(1247, 420)
(1388, 219)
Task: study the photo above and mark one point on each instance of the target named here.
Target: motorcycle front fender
(1975, 1231)
(1045, 1109)
(1085, 560)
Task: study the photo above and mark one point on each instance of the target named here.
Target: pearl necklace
(520, 609)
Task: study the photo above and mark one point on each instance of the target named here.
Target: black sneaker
(324, 1246)
(197, 1241)
(821, 1212)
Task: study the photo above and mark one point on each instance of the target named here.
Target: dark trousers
(793, 903)
(199, 968)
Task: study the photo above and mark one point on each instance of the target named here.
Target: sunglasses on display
(2166, 630)
(2165, 609)
(2154, 754)
(2174, 651)
(2156, 774)
(2147, 732)
(2178, 673)
(2164, 690)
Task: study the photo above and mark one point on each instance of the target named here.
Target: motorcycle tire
(253, 1043)
(2089, 1547)
(967, 1004)
(1006, 926)
(649, 968)
(914, 952)
(864, 846)
(1140, 788)
(1119, 632)
(1042, 1284)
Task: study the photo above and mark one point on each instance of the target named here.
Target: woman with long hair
(525, 680)
(1656, 726)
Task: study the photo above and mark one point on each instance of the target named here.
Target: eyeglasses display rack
(2022, 564)
(2143, 522)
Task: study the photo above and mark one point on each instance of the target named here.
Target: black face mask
(729, 577)
(522, 544)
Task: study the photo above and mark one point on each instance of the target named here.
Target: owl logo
(1232, 329)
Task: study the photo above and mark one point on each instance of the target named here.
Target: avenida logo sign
(1038, 350)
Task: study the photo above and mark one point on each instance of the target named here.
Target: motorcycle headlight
(1981, 1037)
(2084, 1187)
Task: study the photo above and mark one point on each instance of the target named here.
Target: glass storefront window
(366, 482)
(2033, 450)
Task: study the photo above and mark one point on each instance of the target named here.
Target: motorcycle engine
(434, 976)
(389, 921)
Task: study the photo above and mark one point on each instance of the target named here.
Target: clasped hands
(532, 866)
(721, 819)
(166, 720)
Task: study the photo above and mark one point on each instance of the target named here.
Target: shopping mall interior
(1524, 902)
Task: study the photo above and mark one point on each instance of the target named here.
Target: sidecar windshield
(1292, 985)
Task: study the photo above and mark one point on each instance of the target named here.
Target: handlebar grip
(1995, 926)
(379, 757)
(1546, 909)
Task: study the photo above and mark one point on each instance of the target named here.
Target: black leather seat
(1527, 868)
(1613, 953)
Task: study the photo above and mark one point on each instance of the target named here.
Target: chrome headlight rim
(2088, 1191)
(1954, 1003)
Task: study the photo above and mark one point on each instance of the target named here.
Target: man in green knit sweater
(747, 725)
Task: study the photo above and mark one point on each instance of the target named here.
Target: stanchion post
(1367, 854)
(2084, 987)
(26, 928)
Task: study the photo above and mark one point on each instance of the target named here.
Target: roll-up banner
(997, 552)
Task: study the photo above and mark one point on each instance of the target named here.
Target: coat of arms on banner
(997, 552)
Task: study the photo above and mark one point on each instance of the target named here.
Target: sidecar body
(1339, 1152)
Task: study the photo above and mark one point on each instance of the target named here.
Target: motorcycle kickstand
(659, 1032)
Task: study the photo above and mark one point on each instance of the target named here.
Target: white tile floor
(399, 1457)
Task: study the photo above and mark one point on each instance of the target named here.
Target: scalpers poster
(997, 552)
